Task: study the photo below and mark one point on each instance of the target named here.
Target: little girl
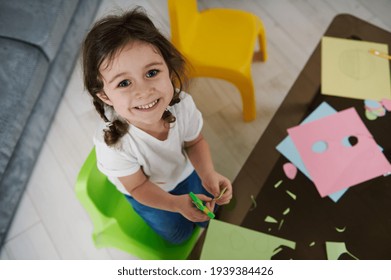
(150, 143)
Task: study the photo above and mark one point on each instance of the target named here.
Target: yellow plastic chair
(219, 43)
(116, 224)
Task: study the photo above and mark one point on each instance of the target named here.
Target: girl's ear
(102, 96)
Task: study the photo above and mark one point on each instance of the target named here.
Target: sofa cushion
(16, 175)
(41, 23)
(22, 74)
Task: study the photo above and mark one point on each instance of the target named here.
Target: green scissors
(200, 205)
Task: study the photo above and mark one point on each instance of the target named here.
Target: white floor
(50, 222)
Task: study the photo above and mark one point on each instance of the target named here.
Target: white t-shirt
(165, 163)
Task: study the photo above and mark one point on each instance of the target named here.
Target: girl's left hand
(214, 183)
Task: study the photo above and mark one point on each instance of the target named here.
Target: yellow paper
(225, 241)
(349, 70)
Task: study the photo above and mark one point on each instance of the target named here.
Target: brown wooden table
(361, 218)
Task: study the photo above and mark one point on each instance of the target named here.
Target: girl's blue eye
(152, 73)
(124, 83)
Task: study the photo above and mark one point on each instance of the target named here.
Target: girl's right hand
(186, 208)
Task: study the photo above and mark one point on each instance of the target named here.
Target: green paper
(270, 219)
(349, 70)
(336, 249)
(340, 229)
(291, 194)
(280, 225)
(254, 203)
(370, 116)
(278, 184)
(225, 241)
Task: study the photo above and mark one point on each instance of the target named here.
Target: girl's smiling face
(136, 82)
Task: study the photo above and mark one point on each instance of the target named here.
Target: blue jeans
(172, 226)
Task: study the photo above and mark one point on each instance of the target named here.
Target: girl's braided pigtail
(115, 129)
(168, 117)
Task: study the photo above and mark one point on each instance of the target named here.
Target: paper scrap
(254, 203)
(290, 170)
(276, 185)
(370, 116)
(291, 194)
(340, 229)
(372, 104)
(280, 225)
(270, 219)
(380, 112)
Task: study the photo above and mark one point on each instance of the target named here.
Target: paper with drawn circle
(342, 164)
(351, 63)
(349, 70)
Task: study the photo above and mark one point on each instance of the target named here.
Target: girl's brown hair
(106, 38)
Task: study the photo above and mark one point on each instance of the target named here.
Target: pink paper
(387, 104)
(332, 163)
(290, 170)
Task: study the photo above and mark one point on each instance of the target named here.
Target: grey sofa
(39, 45)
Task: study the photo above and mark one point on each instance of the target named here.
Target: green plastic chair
(116, 224)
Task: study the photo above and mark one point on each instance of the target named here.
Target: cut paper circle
(290, 170)
(380, 112)
(374, 109)
(319, 147)
(370, 116)
(350, 141)
(372, 104)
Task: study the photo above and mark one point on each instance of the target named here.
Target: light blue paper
(288, 149)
